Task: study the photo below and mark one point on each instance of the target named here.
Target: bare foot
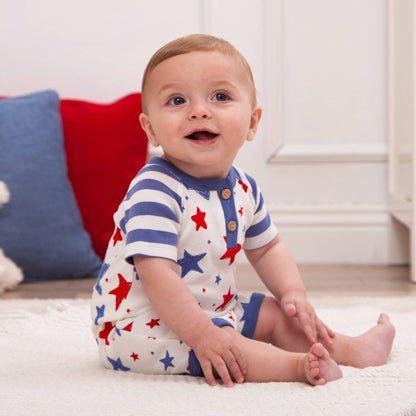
(373, 347)
(319, 367)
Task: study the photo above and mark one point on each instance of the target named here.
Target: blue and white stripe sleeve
(151, 220)
(261, 231)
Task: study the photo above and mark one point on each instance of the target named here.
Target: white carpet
(49, 366)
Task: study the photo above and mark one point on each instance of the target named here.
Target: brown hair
(192, 43)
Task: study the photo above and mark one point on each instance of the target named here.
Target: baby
(166, 300)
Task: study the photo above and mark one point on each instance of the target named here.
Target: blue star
(204, 194)
(167, 361)
(117, 365)
(218, 280)
(190, 262)
(245, 307)
(100, 313)
(104, 268)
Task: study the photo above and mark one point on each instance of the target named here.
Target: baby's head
(192, 43)
(199, 104)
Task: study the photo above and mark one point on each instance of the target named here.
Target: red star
(240, 211)
(134, 356)
(199, 219)
(129, 327)
(108, 327)
(117, 236)
(245, 187)
(121, 291)
(231, 253)
(227, 297)
(153, 323)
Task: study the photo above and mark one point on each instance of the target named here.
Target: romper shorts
(249, 317)
(160, 351)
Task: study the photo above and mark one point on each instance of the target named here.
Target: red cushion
(105, 148)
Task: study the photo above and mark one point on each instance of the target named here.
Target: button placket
(232, 226)
(226, 194)
(227, 203)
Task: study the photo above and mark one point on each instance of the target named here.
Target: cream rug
(49, 366)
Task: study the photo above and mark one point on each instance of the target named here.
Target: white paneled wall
(323, 84)
(320, 68)
(402, 120)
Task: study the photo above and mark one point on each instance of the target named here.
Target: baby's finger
(289, 308)
(222, 371)
(209, 375)
(236, 368)
(241, 359)
(330, 332)
(325, 333)
(308, 326)
(313, 331)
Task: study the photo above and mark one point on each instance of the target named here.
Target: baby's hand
(295, 305)
(217, 351)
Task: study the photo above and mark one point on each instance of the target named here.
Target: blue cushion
(41, 227)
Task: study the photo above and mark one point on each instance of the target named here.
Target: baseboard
(334, 234)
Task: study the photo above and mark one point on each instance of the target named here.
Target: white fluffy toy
(10, 274)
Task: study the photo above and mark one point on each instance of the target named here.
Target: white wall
(320, 68)
(94, 49)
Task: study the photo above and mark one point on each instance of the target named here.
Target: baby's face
(200, 110)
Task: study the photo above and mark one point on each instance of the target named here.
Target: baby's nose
(199, 110)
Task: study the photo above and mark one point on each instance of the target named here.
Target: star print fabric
(201, 225)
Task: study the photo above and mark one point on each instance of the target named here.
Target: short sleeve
(261, 231)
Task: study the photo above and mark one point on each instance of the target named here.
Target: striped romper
(202, 225)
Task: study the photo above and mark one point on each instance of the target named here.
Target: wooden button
(226, 193)
(232, 226)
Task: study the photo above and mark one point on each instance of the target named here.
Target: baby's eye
(176, 101)
(220, 96)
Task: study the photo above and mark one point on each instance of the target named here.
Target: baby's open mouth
(202, 135)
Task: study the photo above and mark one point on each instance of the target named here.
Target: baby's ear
(254, 122)
(147, 127)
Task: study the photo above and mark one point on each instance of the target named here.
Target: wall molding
(279, 148)
(273, 75)
(206, 16)
(327, 153)
(336, 234)
(329, 215)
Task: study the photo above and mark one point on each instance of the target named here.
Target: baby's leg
(266, 362)
(369, 349)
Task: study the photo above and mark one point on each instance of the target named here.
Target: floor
(320, 280)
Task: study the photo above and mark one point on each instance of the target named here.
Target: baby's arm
(178, 309)
(277, 269)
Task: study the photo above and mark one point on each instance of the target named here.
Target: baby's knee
(270, 306)
(270, 317)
